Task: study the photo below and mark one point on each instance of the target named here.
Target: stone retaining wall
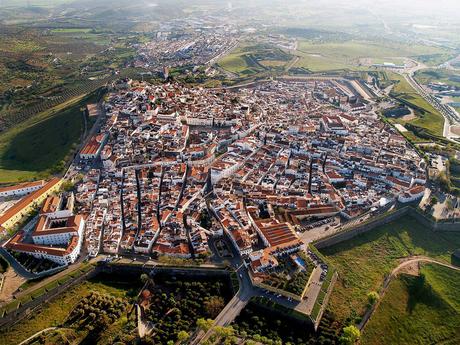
(385, 219)
(26, 309)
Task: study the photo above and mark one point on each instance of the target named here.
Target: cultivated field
(319, 56)
(438, 76)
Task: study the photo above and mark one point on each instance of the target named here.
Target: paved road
(407, 262)
(234, 307)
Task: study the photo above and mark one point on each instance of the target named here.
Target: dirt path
(407, 265)
(12, 281)
(37, 334)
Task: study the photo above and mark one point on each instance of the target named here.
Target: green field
(436, 59)
(321, 56)
(40, 145)
(448, 77)
(247, 60)
(363, 261)
(418, 310)
(56, 311)
(427, 116)
(71, 30)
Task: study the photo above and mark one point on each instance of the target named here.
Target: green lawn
(363, 262)
(418, 310)
(38, 146)
(56, 311)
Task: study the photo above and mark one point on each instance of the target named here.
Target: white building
(57, 236)
(21, 189)
(412, 194)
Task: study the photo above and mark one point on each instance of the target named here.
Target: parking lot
(319, 229)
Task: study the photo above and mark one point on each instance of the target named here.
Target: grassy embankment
(40, 146)
(428, 118)
(418, 310)
(364, 261)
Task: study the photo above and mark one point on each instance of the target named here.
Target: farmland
(363, 262)
(41, 68)
(418, 310)
(46, 76)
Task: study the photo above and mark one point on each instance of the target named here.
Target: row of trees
(176, 305)
(262, 323)
(97, 311)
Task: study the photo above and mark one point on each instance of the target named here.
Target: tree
(350, 335)
(182, 337)
(224, 332)
(214, 305)
(449, 204)
(372, 297)
(434, 200)
(144, 278)
(67, 186)
(204, 324)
